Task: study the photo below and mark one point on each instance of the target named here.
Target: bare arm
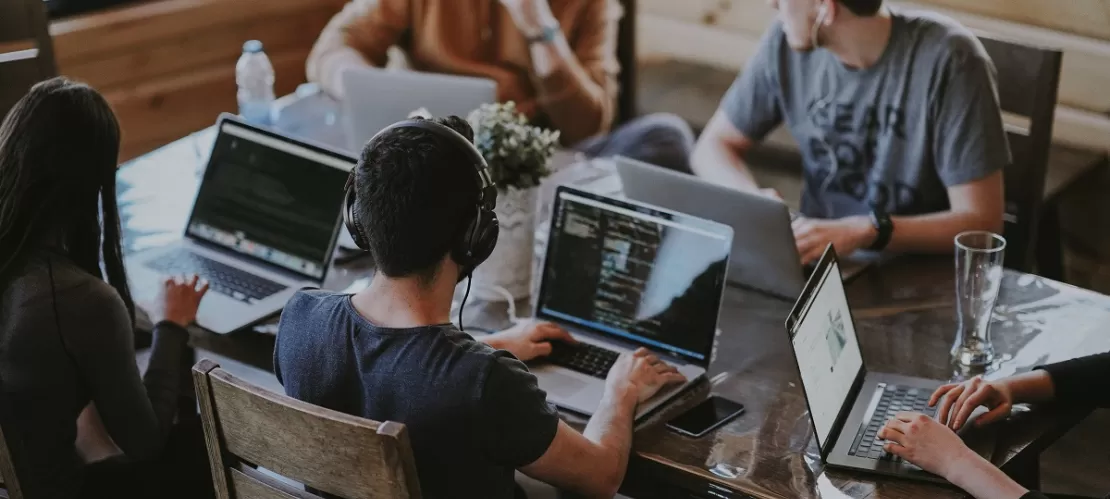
(359, 35)
(719, 155)
(592, 462)
(983, 480)
(977, 205)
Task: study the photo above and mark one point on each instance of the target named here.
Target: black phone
(706, 416)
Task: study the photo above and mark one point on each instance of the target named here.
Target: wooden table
(904, 312)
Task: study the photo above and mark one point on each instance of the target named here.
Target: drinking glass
(978, 277)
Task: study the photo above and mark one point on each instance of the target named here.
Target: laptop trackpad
(561, 385)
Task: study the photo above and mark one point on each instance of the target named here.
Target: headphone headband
(485, 181)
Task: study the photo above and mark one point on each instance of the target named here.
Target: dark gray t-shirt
(923, 118)
(474, 414)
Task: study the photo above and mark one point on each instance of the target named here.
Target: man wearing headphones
(421, 201)
(897, 118)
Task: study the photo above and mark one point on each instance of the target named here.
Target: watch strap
(884, 227)
(547, 34)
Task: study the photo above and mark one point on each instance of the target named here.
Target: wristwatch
(884, 226)
(547, 34)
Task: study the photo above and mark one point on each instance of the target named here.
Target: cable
(469, 281)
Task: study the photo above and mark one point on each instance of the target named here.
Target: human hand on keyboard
(179, 300)
(961, 400)
(640, 374)
(926, 442)
(529, 339)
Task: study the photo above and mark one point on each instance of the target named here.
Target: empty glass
(978, 277)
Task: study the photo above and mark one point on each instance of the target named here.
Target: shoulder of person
(954, 42)
(307, 300)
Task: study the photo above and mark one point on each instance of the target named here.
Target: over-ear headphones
(480, 237)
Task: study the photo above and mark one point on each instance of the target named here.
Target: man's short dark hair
(863, 7)
(416, 196)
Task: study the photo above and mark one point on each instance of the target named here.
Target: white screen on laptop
(828, 352)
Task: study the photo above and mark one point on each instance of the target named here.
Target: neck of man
(408, 302)
(859, 41)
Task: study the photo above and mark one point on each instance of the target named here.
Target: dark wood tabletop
(904, 312)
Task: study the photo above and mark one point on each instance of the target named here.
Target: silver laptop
(764, 252)
(848, 404)
(376, 98)
(263, 225)
(620, 275)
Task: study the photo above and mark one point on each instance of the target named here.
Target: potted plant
(518, 155)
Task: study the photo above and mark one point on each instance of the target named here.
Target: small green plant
(517, 152)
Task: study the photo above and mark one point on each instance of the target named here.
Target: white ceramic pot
(510, 266)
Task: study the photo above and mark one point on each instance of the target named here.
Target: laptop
(764, 253)
(263, 225)
(376, 98)
(621, 275)
(849, 404)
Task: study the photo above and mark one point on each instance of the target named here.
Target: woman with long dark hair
(67, 354)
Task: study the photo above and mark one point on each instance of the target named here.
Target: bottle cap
(252, 47)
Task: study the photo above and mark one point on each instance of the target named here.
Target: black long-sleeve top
(44, 385)
(1082, 381)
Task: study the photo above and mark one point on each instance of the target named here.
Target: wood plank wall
(168, 66)
(725, 33)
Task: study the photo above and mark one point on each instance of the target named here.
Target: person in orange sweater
(555, 58)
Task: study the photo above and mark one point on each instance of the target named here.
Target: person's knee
(663, 139)
(665, 127)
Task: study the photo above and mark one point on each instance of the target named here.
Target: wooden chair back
(26, 50)
(9, 483)
(1028, 78)
(626, 56)
(332, 454)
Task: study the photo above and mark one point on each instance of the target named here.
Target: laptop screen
(644, 275)
(826, 347)
(272, 199)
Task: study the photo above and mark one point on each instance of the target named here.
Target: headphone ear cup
(478, 242)
(489, 228)
(350, 218)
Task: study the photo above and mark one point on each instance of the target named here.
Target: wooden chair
(9, 484)
(247, 427)
(26, 50)
(626, 56)
(1028, 78)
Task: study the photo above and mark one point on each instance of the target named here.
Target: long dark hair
(59, 148)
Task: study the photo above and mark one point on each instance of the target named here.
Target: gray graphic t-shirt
(892, 136)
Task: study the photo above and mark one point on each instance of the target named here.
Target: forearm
(611, 430)
(577, 106)
(1031, 387)
(164, 372)
(719, 163)
(936, 232)
(983, 480)
(1082, 381)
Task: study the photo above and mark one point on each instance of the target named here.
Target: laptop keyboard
(222, 278)
(583, 357)
(894, 399)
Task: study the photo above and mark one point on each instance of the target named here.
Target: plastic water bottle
(255, 76)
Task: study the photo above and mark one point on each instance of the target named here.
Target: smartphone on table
(705, 417)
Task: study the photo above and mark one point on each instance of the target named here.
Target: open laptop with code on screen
(621, 275)
(264, 224)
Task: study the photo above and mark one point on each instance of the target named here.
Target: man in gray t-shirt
(897, 118)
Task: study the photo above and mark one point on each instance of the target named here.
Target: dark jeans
(661, 139)
(181, 472)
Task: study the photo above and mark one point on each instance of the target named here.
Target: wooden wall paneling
(1085, 17)
(165, 110)
(155, 21)
(202, 48)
